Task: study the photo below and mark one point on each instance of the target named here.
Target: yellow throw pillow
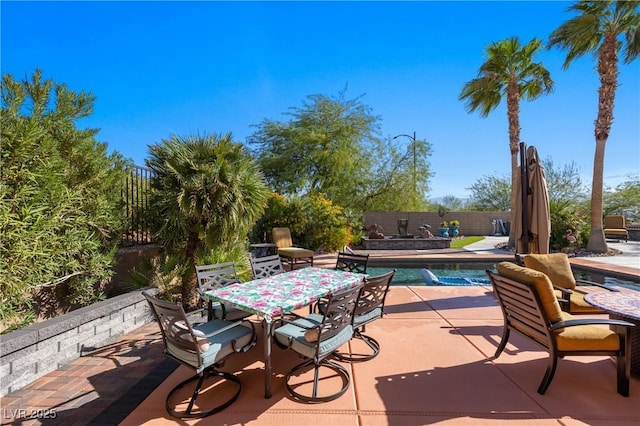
(555, 265)
(541, 283)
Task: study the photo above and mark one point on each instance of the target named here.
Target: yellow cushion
(555, 265)
(614, 222)
(281, 237)
(541, 284)
(581, 306)
(586, 338)
(295, 252)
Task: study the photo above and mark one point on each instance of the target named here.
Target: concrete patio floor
(434, 368)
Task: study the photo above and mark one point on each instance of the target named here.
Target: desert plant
(207, 192)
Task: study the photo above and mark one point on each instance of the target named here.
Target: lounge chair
(530, 308)
(614, 227)
(288, 252)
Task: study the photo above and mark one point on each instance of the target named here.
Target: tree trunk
(190, 296)
(597, 242)
(608, 71)
(513, 115)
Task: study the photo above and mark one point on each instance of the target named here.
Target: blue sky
(186, 68)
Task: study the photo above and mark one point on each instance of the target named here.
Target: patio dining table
(274, 296)
(624, 305)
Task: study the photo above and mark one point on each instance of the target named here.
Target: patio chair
(214, 276)
(203, 348)
(266, 266)
(370, 307)
(352, 262)
(614, 226)
(569, 290)
(315, 337)
(530, 308)
(288, 252)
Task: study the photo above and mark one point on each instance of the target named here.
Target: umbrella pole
(524, 191)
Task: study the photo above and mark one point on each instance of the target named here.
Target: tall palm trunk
(608, 71)
(513, 115)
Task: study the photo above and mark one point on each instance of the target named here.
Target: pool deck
(434, 367)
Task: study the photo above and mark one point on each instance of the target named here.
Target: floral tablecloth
(285, 292)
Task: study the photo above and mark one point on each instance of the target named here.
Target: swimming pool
(413, 275)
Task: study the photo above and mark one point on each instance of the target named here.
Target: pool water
(412, 276)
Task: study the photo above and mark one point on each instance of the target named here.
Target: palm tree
(509, 71)
(207, 192)
(597, 29)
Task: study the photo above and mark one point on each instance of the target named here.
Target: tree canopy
(207, 193)
(509, 71)
(604, 29)
(331, 146)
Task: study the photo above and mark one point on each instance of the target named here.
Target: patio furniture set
(343, 300)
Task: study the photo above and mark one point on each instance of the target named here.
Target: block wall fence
(471, 223)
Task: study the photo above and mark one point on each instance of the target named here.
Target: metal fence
(135, 195)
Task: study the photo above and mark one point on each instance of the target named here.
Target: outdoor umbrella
(532, 225)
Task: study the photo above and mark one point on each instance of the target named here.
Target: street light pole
(413, 145)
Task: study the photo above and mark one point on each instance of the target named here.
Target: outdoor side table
(263, 249)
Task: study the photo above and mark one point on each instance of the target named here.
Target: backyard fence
(135, 195)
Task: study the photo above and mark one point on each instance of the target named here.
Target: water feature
(403, 240)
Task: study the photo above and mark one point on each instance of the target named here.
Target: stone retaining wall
(33, 351)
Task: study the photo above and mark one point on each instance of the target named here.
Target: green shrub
(565, 216)
(61, 216)
(314, 221)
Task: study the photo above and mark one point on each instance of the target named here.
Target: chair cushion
(555, 265)
(614, 222)
(281, 237)
(367, 317)
(308, 349)
(231, 313)
(616, 232)
(578, 304)
(541, 283)
(295, 252)
(586, 338)
(220, 345)
(311, 335)
(184, 335)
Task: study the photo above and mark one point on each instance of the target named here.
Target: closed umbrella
(533, 222)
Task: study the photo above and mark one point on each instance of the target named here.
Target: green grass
(459, 243)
